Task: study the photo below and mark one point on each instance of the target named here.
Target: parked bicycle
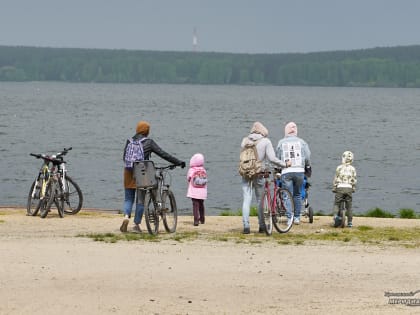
(159, 202)
(279, 209)
(53, 186)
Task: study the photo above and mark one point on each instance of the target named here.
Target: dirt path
(46, 269)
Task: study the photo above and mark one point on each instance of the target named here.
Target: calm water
(379, 125)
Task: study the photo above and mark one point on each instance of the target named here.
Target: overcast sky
(239, 26)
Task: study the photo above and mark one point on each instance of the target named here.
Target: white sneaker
(289, 221)
(296, 221)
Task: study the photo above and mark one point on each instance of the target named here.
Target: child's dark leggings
(198, 210)
(344, 194)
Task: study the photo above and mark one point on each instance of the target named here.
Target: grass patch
(407, 214)
(253, 212)
(379, 213)
(113, 238)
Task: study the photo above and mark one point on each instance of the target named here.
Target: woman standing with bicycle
(265, 152)
(149, 146)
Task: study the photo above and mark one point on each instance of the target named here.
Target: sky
(236, 26)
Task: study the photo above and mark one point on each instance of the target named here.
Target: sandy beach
(50, 266)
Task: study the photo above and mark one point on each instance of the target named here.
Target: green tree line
(376, 67)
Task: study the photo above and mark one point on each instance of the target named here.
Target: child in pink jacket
(197, 187)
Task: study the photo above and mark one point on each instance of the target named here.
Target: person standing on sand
(197, 187)
(130, 188)
(296, 151)
(265, 151)
(344, 185)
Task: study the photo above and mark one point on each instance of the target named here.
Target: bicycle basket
(145, 174)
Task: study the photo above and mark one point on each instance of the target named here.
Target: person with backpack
(197, 187)
(139, 147)
(295, 150)
(256, 151)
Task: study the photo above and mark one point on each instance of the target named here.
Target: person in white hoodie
(266, 154)
(344, 185)
(296, 151)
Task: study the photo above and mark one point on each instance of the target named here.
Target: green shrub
(379, 213)
(407, 214)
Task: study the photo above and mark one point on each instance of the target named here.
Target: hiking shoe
(247, 230)
(136, 228)
(349, 224)
(124, 225)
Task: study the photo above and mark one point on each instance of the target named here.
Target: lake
(379, 125)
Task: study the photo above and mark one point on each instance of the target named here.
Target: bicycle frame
(276, 211)
(163, 201)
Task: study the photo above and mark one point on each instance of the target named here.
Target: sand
(47, 268)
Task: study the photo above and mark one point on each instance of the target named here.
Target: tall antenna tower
(195, 40)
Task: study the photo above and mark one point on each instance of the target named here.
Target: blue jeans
(129, 198)
(257, 185)
(293, 183)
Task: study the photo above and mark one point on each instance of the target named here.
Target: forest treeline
(377, 67)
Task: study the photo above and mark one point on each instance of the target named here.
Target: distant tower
(195, 40)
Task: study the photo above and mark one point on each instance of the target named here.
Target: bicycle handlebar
(58, 157)
(171, 167)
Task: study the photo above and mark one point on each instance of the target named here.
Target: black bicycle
(159, 202)
(53, 186)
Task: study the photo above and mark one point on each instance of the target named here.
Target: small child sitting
(197, 187)
(344, 186)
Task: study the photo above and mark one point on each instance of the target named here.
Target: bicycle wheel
(311, 214)
(150, 214)
(169, 211)
(343, 217)
(33, 203)
(268, 218)
(283, 220)
(59, 199)
(73, 197)
(48, 199)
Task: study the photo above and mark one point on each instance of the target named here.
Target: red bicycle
(279, 209)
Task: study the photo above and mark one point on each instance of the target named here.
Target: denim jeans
(256, 185)
(293, 183)
(129, 198)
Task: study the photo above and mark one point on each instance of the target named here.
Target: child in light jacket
(197, 187)
(344, 185)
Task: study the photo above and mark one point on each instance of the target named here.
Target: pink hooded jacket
(196, 164)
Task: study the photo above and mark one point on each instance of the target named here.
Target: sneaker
(261, 229)
(124, 225)
(349, 224)
(196, 223)
(247, 230)
(296, 221)
(289, 222)
(136, 228)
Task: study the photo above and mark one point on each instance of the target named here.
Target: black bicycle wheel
(268, 218)
(48, 199)
(343, 217)
(33, 203)
(150, 214)
(169, 211)
(284, 208)
(59, 200)
(311, 214)
(73, 197)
